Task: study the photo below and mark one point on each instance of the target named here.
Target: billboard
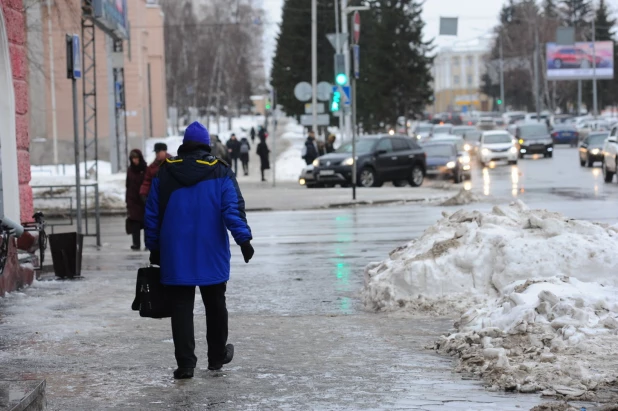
(111, 16)
(575, 62)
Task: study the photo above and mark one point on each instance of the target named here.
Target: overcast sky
(476, 18)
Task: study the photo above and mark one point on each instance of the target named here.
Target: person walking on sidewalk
(310, 150)
(252, 134)
(263, 152)
(161, 151)
(193, 201)
(244, 150)
(233, 149)
(219, 150)
(135, 206)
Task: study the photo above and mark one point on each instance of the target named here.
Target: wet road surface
(303, 341)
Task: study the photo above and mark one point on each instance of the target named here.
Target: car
(497, 145)
(565, 134)
(461, 130)
(443, 160)
(307, 178)
(472, 140)
(532, 117)
(610, 155)
(447, 118)
(591, 148)
(379, 159)
(441, 129)
(533, 138)
(486, 123)
(423, 131)
(572, 57)
(459, 144)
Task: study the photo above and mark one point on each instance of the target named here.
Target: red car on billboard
(572, 57)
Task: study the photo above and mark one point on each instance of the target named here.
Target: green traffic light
(267, 106)
(499, 102)
(341, 79)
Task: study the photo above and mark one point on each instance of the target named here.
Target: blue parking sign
(77, 61)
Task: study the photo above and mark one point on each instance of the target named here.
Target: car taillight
(554, 134)
(469, 123)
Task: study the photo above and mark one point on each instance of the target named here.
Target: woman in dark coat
(135, 205)
(263, 152)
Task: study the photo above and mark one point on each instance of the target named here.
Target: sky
(476, 20)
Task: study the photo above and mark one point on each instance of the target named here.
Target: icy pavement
(303, 340)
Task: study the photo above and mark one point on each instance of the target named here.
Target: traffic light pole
(354, 170)
(501, 77)
(314, 64)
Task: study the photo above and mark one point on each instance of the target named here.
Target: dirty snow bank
(542, 290)
(470, 256)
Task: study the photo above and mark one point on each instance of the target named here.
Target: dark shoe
(135, 247)
(183, 373)
(229, 354)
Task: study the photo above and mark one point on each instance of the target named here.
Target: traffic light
(341, 78)
(335, 104)
(499, 102)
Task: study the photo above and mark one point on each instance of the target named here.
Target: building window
(456, 80)
(470, 60)
(455, 60)
(470, 80)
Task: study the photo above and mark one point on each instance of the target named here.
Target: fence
(58, 192)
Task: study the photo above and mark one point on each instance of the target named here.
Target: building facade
(50, 90)
(457, 80)
(15, 191)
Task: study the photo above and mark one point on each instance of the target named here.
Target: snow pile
(470, 256)
(540, 291)
(463, 197)
(290, 163)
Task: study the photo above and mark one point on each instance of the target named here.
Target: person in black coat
(263, 152)
(135, 206)
(233, 148)
(252, 134)
(311, 150)
(244, 150)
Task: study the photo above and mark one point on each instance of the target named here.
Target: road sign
(356, 23)
(309, 108)
(332, 38)
(303, 91)
(356, 53)
(345, 94)
(307, 120)
(325, 89)
(77, 57)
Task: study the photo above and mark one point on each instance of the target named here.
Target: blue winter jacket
(193, 201)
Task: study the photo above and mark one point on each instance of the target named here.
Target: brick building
(15, 191)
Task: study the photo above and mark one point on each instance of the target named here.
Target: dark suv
(379, 159)
(533, 138)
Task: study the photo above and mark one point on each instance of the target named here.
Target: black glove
(155, 258)
(247, 251)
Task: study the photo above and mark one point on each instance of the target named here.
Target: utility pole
(52, 81)
(314, 64)
(501, 76)
(537, 88)
(337, 51)
(595, 103)
(346, 55)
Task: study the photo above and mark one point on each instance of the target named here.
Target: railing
(51, 194)
(38, 225)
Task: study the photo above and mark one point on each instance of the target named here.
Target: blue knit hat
(197, 133)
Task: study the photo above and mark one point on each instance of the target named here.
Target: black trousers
(182, 299)
(136, 229)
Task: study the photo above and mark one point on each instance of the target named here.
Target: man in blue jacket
(193, 201)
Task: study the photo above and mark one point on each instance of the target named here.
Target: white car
(497, 145)
(610, 155)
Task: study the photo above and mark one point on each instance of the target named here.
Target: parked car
(443, 160)
(610, 155)
(379, 159)
(572, 57)
(591, 149)
(565, 134)
(442, 129)
(472, 140)
(497, 145)
(533, 138)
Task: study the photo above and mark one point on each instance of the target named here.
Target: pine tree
(604, 23)
(292, 59)
(576, 12)
(550, 10)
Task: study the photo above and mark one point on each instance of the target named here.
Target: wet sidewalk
(302, 339)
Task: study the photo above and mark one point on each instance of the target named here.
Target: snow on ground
(540, 292)
(289, 163)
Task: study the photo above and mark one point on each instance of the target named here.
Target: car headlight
(467, 147)
(485, 151)
(302, 181)
(595, 151)
(418, 137)
(347, 162)
(464, 159)
(513, 150)
(450, 164)
(316, 162)
(521, 141)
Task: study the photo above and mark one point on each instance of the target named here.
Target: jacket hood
(186, 169)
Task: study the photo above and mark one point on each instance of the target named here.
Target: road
(303, 340)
